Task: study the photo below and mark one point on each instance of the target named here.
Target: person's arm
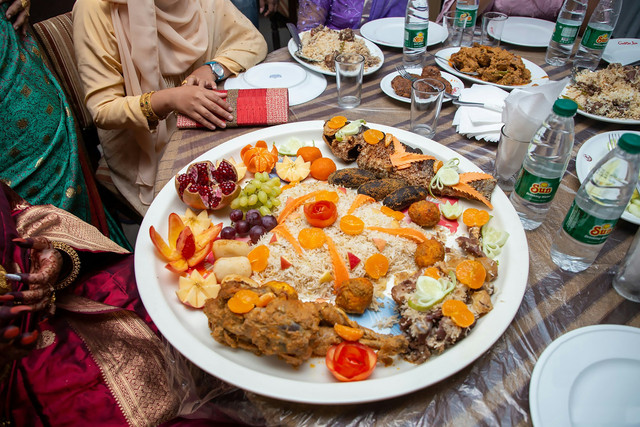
(312, 13)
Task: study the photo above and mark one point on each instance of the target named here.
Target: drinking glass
(627, 279)
(426, 101)
(509, 158)
(454, 26)
(492, 25)
(349, 71)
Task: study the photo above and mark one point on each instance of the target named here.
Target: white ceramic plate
(385, 84)
(530, 32)
(588, 376)
(538, 75)
(373, 48)
(390, 32)
(590, 153)
(602, 118)
(304, 85)
(624, 51)
(187, 329)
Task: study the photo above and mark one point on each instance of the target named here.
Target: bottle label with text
(415, 39)
(565, 33)
(595, 39)
(468, 16)
(535, 189)
(587, 228)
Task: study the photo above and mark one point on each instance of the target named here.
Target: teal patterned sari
(39, 155)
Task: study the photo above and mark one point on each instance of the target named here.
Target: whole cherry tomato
(321, 214)
(351, 361)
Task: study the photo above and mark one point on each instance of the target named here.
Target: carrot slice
(432, 272)
(348, 333)
(331, 196)
(294, 204)
(402, 159)
(372, 136)
(361, 199)
(459, 313)
(340, 272)
(243, 301)
(473, 217)
(351, 225)
(259, 258)
(376, 266)
(472, 193)
(312, 238)
(284, 232)
(391, 213)
(408, 233)
(471, 273)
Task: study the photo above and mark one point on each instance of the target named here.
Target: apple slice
(197, 223)
(353, 260)
(284, 263)
(380, 243)
(186, 243)
(200, 255)
(194, 290)
(178, 266)
(167, 252)
(175, 228)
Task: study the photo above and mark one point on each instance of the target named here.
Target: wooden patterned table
(494, 390)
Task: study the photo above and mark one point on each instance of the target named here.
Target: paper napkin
(251, 107)
(480, 122)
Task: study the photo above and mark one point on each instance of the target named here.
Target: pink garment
(541, 9)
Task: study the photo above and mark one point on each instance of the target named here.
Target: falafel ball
(355, 295)
(429, 252)
(424, 213)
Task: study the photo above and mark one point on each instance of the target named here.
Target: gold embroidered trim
(61, 226)
(129, 355)
(73, 269)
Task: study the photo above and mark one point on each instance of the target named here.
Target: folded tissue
(481, 122)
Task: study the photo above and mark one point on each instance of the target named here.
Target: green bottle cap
(630, 142)
(565, 107)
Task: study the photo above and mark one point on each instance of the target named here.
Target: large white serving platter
(373, 48)
(590, 153)
(588, 376)
(538, 75)
(187, 329)
(390, 32)
(525, 31)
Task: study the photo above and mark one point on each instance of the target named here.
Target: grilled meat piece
(381, 188)
(351, 177)
(404, 197)
(349, 148)
(287, 327)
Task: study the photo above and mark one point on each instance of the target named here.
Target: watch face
(217, 70)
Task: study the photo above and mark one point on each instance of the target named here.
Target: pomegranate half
(203, 186)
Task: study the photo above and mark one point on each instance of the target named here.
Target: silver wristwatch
(216, 69)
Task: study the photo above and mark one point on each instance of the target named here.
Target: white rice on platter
(326, 42)
(613, 92)
(307, 268)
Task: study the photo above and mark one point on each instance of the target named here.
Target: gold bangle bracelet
(72, 271)
(147, 110)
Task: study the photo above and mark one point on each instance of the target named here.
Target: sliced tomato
(351, 361)
(321, 214)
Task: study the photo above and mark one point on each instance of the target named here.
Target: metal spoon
(296, 38)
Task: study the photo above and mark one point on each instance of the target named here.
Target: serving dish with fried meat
(493, 64)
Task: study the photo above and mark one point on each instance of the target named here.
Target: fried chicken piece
(355, 295)
(287, 327)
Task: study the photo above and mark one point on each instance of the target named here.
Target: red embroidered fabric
(251, 107)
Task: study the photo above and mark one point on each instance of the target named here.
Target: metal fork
(613, 140)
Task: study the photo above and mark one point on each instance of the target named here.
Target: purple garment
(339, 14)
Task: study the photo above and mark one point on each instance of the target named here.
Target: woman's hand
(205, 106)
(268, 7)
(46, 263)
(201, 76)
(18, 12)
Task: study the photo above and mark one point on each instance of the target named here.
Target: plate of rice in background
(322, 44)
(188, 331)
(609, 95)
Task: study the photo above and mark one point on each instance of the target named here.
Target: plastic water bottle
(544, 165)
(598, 205)
(467, 9)
(566, 32)
(416, 28)
(596, 36)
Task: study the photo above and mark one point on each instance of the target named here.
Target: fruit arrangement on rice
(300, 261)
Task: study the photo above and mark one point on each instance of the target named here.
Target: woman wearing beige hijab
(142, 60)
